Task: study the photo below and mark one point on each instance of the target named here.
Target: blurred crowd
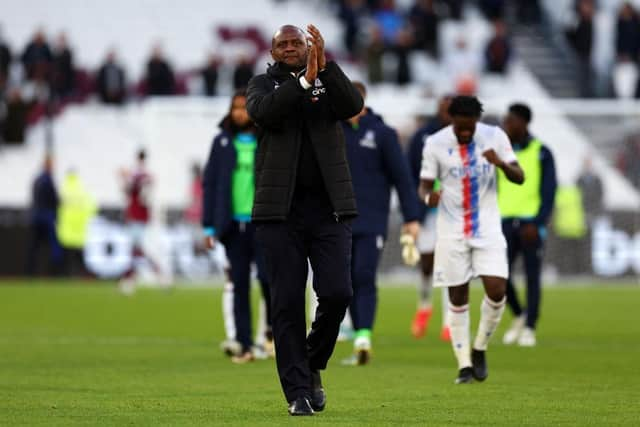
(379, 32)
(623, 79)
(43, 78)
(381, 36)
(626, 79)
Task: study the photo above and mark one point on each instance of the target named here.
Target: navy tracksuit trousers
(242, 249)
(532, 257)
(43, 233)
(365, 256)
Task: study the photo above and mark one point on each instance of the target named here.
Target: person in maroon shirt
(137, 185)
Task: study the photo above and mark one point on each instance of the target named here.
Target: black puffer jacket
(282, 109)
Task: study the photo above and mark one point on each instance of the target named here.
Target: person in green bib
(76, 210)
(526, 210)
(228, 194)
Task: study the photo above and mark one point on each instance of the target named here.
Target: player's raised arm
(512, 170)
(504, 158)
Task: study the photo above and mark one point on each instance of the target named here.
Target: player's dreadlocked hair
(468, 106)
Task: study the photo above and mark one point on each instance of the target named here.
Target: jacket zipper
(292, 187)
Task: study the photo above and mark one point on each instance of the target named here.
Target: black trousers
(310, 233)
(532, 256)
(241, 247)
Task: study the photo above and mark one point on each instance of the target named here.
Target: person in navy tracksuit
(229, 188)
(44, 209)
(377, 163)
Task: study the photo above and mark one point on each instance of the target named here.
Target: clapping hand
(318, 41)
(311, 73)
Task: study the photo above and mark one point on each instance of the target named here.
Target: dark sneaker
(231, 348)
(479, 361)
(300, 407)
(359, 358)
(363, 357)
(318, 396)
(465, 376)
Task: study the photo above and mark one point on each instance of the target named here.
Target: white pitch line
(75, 340)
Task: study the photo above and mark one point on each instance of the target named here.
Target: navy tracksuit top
(377, 163)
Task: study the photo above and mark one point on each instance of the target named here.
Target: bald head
(287, 29)
(289, 46)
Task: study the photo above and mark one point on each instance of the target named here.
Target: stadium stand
(97, 140)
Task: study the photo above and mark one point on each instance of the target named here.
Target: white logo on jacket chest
(369, 140)
(318, 88)
(317, 91)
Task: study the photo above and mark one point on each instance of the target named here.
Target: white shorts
(136, 230)
(457, 261)
(427, 237)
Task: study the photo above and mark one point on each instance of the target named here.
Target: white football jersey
(468, 207)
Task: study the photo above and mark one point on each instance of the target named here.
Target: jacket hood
(371, 118)
(226, 125)
(280, 71)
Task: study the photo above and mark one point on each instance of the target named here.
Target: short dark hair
(361, 87)
(142, 154)
(521, 110)
(463, 105)
(240, 92)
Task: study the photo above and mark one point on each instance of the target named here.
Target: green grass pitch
(82, 354)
